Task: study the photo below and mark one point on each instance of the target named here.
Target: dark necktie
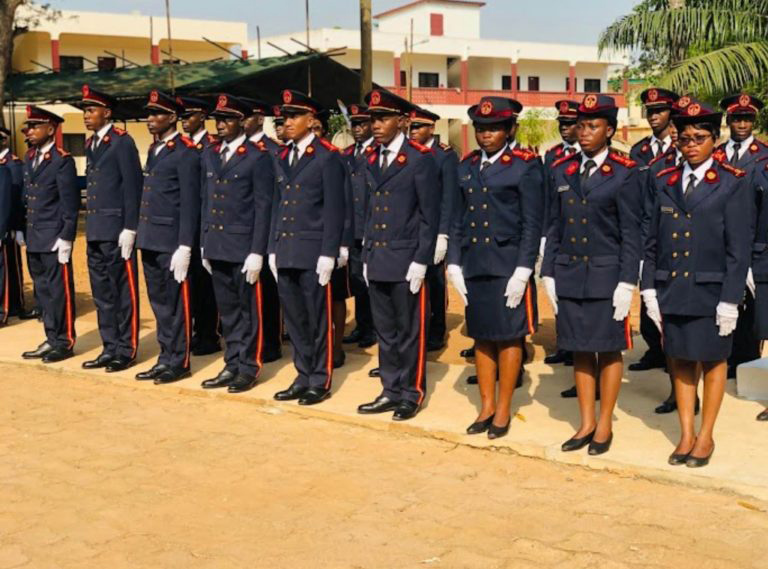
(736, 148)
(36, 161)
(588, 165)
(659, 148)
(570, 150)
(385, 159)
(95, 141)
(224, 153)
(358, 149)
(294, 155)
(691, 185)
(485, 165)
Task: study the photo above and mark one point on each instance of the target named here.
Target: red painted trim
(529, 309)
(55, 60)
(329, 337)
(628, 334)
(244, 53)
(260, 333)
(59, 138)
(513, 79)
(187, 321)
(416, 2)
(422, 342)
(154, 55)
(436, 27)
(571, 80)
(68, 307)
(134, 311)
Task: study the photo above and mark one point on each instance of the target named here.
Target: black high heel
(575, 444)
(678, 459)
(596, 448)
(480, 426)
(495, 432)
(698, 462)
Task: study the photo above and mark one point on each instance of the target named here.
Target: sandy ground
(100, 474)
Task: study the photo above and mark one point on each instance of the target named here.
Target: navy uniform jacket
(447, 167)
(52, 199)
(642, 152)
(6, 202)
(237, 201)
(170, 202)
(15, 166)
(648, 175)
(403, 212)
(206, 142)
(113, 186)
(748, 157)
(357, 168)
(698, 249)
(498, 223)
(308, 217)
(593, 242)
(550, 157)
(760, 243)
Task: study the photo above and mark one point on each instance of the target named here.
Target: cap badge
(745, 100)
(653, 95)
(153, 97)
(375, 98)
(86, 91)
(222, 102)
(287, 97)
(353, 109)
(693, 110)
(564, 107)
(486, 108)
(590, 101)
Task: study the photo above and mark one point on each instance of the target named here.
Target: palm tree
(702, 46)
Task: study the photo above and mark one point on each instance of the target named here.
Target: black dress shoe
(38, 352)
(119, 363)
(242, 383)
(558, 357)
(293, 392)
(596, 448)
(338, 362)
(569, 393)
(763, 415)
(645, 365)
(224, 378)
(314, 395)
(152, 372)
(101, 361)
(374, 372)
(381, 404)
(57, 355)
(206, 348)
(577, 443)
(405, 410)
(670, 405)
(366, 341)
(271, 356)
(435, 345)
(467, 352)
(472, 380)
(30, 314)
(495, 432)
(698, 462)
(172, 374)
(678, 459)
(353, 337)
(480, 426)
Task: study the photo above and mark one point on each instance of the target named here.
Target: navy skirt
(761, 310)
(694, 338)
(488, 317)
(340, 287)
(588, 326)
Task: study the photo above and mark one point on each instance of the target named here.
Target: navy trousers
(363, 316)
(437, 302)
(55, 291)
(271, 318)
(205, 313)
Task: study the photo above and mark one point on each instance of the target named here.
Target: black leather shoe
(224, 378)
(495, 432)
(30, 314)
(559, 357)
(57, 355)
(38, 352)
(569, 393)
(381, 404)
(100, 361)
(119, 363)
(366, 341)
(467, 352)
(374, 372)
(698, 462)
(670, 406)
(271, 356)
(406, 410)
(645, 365)
(472, 380)
(206, 348)
(338, 362)
(293, 392)
(678, 459)
(242, 383)
(172, 374)
(152, 372)
(480, 426)
(596, 448)
(314, 395)
(575, 444)
(763, 415)
(353, 337)
(435, 345)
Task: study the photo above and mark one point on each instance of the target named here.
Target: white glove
(20, 239)
(516, 286)
(542, 246)
(343, 257)
(652, 306)
(751, 283)
(252, 267)
(415, 276)
(126, 241)
(726, 316)
(365, 274)
(622, 300)
(640, 278)
(324, 269)
(441, 248)
(549, 288)
(456, 276)
(206, 262)
(180, 263)
(65, 250)
(273, 265)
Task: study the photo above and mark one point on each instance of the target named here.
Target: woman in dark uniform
(491, 255)
(591, 265)
(696, 260)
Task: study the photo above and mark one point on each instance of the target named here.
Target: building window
(403, 79)
(429, 79)
(435, 24)
(533, 83)
(568, 84)
(106, 63)
(71, 63)
(592, 85)
(74, 144)
(506, 82)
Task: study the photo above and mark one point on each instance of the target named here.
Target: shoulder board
(719, 155)
(565, 159)
(668, 171)
(659, 158)
(30, 153)
(738, 172)
(623, 160)
(212, 139)
(641, 142)
(446, 147)
(721, 147)
(420, 147)
(525, 154)
(284, 152)
(349, 150)
(119, 131)
(327, 145)
(61, 151)
(188, 142)
(470, 155)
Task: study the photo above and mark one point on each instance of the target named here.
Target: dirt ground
(103, 474)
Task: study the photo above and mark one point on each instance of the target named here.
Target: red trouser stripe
(19, 275)
(628, 333)
(422, 342)
(260, 324)
(187, 321)
(68, 306)
(529, 309)
(329, 336)
(134, 311)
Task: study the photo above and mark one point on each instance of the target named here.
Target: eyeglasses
(697, 140)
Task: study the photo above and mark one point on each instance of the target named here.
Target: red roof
(416, 2)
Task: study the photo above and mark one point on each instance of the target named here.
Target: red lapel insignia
(606, 169)
(572, 168)
(171, 144)
(47, 156)
(506, 159)
(106, 139)
(241, 149)
(372, 158)
(673, 179)
(711, 176)
(753, 148)
(199, 145)
(559, 152)
(402, 159)
(310, 150)
(645, 148)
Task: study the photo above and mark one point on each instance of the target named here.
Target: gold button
(377, 208)
(573, 240)
(487, 239)
(383, 243)
(485, 206)
(386, 208)
(470, 190)
(378, 193)
(376, 244)
(586, 258)
(472, 224)
(685, 274)
(675, 215)
(285, 234)
(471, 208)
(584, 220)
(383, 225)
(583, 202)
(688, 215)
(570, 220)
(485, 190)
(674, 235)
(583, 239)
(474, 240)
(674, 254)
(674, 274)
(687, 233)
(687, 253)
(570, 201)
(287, 186)
(285, 202)
(574, 258)
(221, 228)
(485, 224)
(285, 219)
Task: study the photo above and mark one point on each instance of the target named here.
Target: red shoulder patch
(30, 153)
(212, 139)
(558, 149)
(446, 147)
(420, 147)
(657, 158)
(188, 142)
(260, 145)
(119, 131)
(668, 171)
(623, 160)
(327, 145)
(719, 155)
(565, 159)
(349, 150)
(471, 154)
(526, 154)
(738, 172)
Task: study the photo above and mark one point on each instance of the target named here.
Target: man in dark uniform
(205, 314)
(658, 107)
(400, 234)
(113, 188)
(356, 155)
(52, 197)
(237, 199)
(304, 242)
(168, 226)
(279, 119)
(6, 201)
(743, 151)
(14, 239)
(422, 130)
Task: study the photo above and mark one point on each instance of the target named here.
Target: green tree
(535, 127)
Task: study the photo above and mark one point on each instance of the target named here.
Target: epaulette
(526, 154)
(738, 172)
(30, 153)
(420, 147)
(623, 160)
(188, 142)
(216, 147)
(349, 149)
(119, 131)
(668, 171)
(556, 147)
(285, 152)
(328, 145)
(754, 148)
(719, 155)
(446, 147)
(212, 139)
(471, 154)
(564, 159)
(61, 151)
(657, 158)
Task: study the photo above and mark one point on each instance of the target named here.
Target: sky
(562, 21)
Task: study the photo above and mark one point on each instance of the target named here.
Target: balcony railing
(455, 96)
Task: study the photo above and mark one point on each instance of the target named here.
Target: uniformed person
(591, 265)
(356, 154)
(238, 186)
(492, 253)
(743, 151)
(307, 227)
(567, 113)
(696, 260)
(53, 200)
(6, 212)
(279, 123)
(400, 234)
(168, 227)
(759, 266)
(205, 314)
(13, 294)
(422, 130)
(113, 193)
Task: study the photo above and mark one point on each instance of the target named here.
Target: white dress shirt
(665, 142)
(231, 146)
(742, 149)
(699, 172)
(100, 134)
(393, 147)
(302, 145)
(485, 158)
(598, 160)
(161, 144)
(199, 135)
